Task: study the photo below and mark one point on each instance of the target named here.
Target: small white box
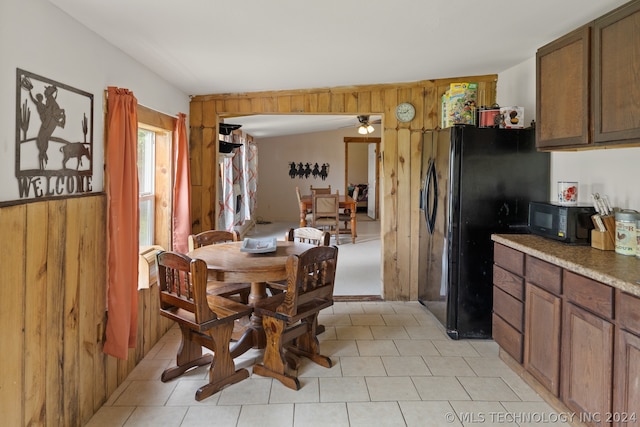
(512, 117)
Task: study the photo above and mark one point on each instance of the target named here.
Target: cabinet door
(542, 337)
(616, 80)
(626, 409)
(587, 361)
(562, 91)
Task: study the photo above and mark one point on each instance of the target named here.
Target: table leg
(254, 336)
(353, 224)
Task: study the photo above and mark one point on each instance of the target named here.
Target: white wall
(614, 172)
(276, 197)
(37, 37)
(358, 166)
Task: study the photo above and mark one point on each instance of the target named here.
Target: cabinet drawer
(508, 282)
(586, 293)
(628, 312)
(509, 259)
(507, 337)
(509, 308)
(544, 275)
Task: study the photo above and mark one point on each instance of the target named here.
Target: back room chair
(326, 213)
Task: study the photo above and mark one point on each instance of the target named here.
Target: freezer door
(432, 283)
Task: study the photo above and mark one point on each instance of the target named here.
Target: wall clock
(405, 112)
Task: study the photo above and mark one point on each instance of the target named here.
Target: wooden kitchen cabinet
(587, 347)
(543, 308)
(626, 393)
(626, 407)
(562, 91)
(581, 335)
(587, 363)
(588, 84)
(542, 337)
(616, 80)
(508, 296)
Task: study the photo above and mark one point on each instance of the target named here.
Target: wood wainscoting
(52, 313)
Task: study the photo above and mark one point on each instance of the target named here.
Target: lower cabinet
(508, 294)
(577, 337)
(627, 380)
(587, 365)
(542, 337)
(626, 393)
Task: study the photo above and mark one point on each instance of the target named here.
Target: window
(146, 171)
(155, 172)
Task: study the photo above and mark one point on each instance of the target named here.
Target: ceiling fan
(365, 127)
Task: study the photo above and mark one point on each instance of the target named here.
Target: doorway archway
(361, 168)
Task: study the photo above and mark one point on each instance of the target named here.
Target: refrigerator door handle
(430, 184)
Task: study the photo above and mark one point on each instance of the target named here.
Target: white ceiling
(229, 46)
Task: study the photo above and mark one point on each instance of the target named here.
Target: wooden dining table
(344, 202)
(227, 263)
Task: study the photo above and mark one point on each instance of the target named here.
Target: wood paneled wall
(400, 158)
(52, 313)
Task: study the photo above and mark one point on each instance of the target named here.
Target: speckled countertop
(619, 271)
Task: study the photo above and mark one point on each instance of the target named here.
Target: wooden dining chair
(345, 215)
(205, 320)
(320, 190)
(307, 212)
(290, 318)
(213, 237)
(309, 235)
(313, 236)
(326, 213)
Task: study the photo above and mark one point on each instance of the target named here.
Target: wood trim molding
(361, 139)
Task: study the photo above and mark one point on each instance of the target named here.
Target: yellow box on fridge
(459, 104)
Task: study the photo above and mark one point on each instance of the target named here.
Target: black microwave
(568, 224)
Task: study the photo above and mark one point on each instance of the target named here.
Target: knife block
(605, 240)
(601, 240)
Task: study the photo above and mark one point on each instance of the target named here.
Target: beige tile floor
(394, 366)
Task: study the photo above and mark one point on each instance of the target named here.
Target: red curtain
(182, 187)
(121, 179)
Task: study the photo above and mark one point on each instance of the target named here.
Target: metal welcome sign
(54, 138)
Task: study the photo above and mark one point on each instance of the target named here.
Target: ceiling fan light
(362, 130)
(370, 129)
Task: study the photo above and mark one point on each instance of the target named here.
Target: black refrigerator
(475, 182)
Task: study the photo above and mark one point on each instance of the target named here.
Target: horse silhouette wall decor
(305, 170)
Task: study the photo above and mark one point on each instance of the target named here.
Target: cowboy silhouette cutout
(51, 117)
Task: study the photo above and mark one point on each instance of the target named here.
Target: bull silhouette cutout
(74, 150)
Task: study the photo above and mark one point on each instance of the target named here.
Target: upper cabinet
(562, 91)
(616, 75)
(588, 84)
